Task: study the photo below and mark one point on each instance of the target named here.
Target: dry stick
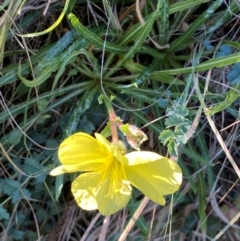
(142, 22)
(4, 234)
(26, 198)
(34, 216)
(224, 147)
(102, 236)
(226, 227)
(146, 199)
(89, 5)
(152, 222)
(22, 131)
(90, 226)
(44, 5)
(219, 213)
(6, 14)
(221, 142)
(230, 125)
(46, 8)
(134, 219)
(10, 160)
(214, 129)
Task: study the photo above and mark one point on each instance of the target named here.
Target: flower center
(113, 171)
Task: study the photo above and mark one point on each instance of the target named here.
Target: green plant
(154, 59)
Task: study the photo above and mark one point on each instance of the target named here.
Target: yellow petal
(64, 169)
(84, 189)
(92, 192)
(83, 152)
(103, 141)
(141, 157)
(155, 179)
(116, 149)
(113, 195)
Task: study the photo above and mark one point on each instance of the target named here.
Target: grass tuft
(172, 67)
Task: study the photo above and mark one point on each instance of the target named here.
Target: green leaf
(206, 65)
(197, 24)
(94, 38)
(10, 186)
(143, 34)
(53, 144)
(184, 126)
(10, 72)
(20, 108)
(4, 213)
(42, 105)
(19, 194)
(58, 186)
(172, 149)
(72, 72)
(51, 64)
(174, 121)
(56, 23)
(144, 76)
(177, 109)
(184, 5)
(13, 188)
(106, 132)
(31, 235)
(177, 119)
(165, 136)
(18, 235)
(82, 105)
(14, 137)
(32, 167)
(196, 157)
(187, 174)
(164, 23)
(232, 95)
(58, 48)
(42, 177)
(70, 58)
(40, 138)
(133, 67)
(180, 137)
(42, 214)
(42, 119)
(52, 67)
(86, 125)
(165, 78)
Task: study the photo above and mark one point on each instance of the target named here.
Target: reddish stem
(112, 118)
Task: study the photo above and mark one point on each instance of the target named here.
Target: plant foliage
(173, 69)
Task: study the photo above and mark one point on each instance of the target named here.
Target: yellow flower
(109, 173)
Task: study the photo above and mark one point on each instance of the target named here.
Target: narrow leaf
(94, 38)
(51, 27)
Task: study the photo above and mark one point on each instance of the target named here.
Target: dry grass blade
(133, 219)
(230, 224)
(10, 160)
(102, 236)
(90, 226)
(139, 6)
(225, 149)
(146, 80)
(214, 129)
(222, 143)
